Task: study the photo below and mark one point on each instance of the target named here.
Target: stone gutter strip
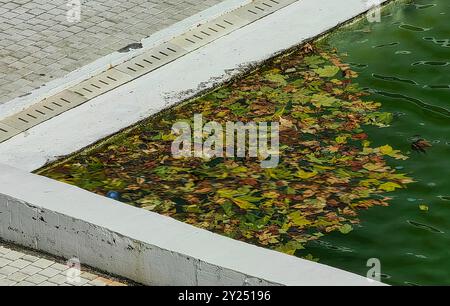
(209, 66)
(139, 245)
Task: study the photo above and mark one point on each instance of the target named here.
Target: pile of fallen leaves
(327, 172)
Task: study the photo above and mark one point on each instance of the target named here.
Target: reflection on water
(404, 63)
(424, 226)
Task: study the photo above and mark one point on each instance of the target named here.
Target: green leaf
(290, 247)
(276, 78)
(327, 71)
(322, 99)
(298, 219)
(345, 229)
(313, 60)
(379, 119)
(341, 139)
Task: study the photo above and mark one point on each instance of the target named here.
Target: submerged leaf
(327, 71)
(345, 229)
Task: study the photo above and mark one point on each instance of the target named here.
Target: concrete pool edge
(139, 245)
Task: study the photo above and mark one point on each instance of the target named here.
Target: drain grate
(7, 132)
(43, 111)
(151, 60)
(209, 32)
(261, 8)
(101, 83)
(138, 66)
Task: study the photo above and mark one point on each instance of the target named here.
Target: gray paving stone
(7, 270)
(105, 26)
(4, 250)
(58, 279)
(88, 276)
(30, 258)
(19, 263)
(17, 277)
(30, 270)
(6, 282)
(36, 279)
(43, 263)
(59, 267)
(24, 284)
(49, 272)
(13, 255)
(4, 262)
(97, 283)
(82, 281)
(47, 284)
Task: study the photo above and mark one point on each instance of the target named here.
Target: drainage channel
(138, 66)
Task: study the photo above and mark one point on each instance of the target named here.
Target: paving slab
(31, 268)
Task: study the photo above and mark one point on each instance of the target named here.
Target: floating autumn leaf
(324, 100)
(291, 247)
(276, 78)
(327, 71)
(298, 219)
(345, 229)
(389, 186)
(388, 150)
(424, 207)
(314, 60)
(305, 174)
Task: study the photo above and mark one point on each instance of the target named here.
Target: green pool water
(404, 61)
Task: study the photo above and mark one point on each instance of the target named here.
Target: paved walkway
(20, 267)
(40, 41)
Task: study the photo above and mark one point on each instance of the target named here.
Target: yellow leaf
(299, 220)
(389, 186)
(368, 182)
(389, 151)
(423, 207)
(372, 167)
(386, 150)
(271, 195)
(306, 175)
(244, 204)
(341, 139)
(168, 137)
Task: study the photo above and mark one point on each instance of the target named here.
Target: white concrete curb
(143, 246)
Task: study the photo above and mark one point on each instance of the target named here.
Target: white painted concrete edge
(145, 247)
(102, 64)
